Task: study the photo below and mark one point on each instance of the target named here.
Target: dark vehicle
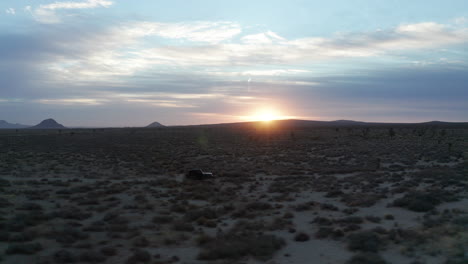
(199, 175)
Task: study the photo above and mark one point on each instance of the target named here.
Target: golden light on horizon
(265, 115)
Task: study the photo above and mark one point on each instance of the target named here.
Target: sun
(265, 115)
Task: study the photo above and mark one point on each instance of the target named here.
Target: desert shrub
(350, 211)
(351, 220)
(288, 215)
(207, 222)
(29, 206)
(280, 187)
(324, 232)
(82, 245)
(182, 226)
(140, 241)
(139, 256)
(461, 221)
(364, 241)
(92, 257)
(303, 206)
(373, 219)
(73, 213)
(389, 217)
(323, 221)
(248, 226)
(351, 227)
(361, 199)
(203, 239)
(380, 230)
(207, 213)
(328, 207)
(21, 221)
(24, 236)
(114, 218)
(337, 233)
(4, 183)
(4, 203)
(68, 235)
(334, 193)
(4, 236)
(232, 246)
(162, 219)
(96, 226)
(23, 248)
(301, 237)
(366, 258)
(279, 223)
(258, 206)
(64, 256)
(414, 236)
(118, 228)
(423, 201)
(178, 208)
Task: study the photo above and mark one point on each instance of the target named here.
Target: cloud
(47, 14)
(72, 101)
(269, 48)
(268, 37)
(10, 11)
(275, 72)
(131, 49)
(198, 31)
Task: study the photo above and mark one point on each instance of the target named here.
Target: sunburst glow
(265, 115)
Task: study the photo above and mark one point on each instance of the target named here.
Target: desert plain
(281, 193)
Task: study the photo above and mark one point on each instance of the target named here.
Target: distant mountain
(155, 124)
(48, 124)
(5, 125)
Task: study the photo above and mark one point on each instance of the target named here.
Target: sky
(130, 63)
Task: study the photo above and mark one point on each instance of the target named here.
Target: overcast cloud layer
(89, 63)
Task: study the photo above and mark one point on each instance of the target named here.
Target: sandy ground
(83, 209)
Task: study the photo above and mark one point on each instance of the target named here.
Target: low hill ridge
(4, 124)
